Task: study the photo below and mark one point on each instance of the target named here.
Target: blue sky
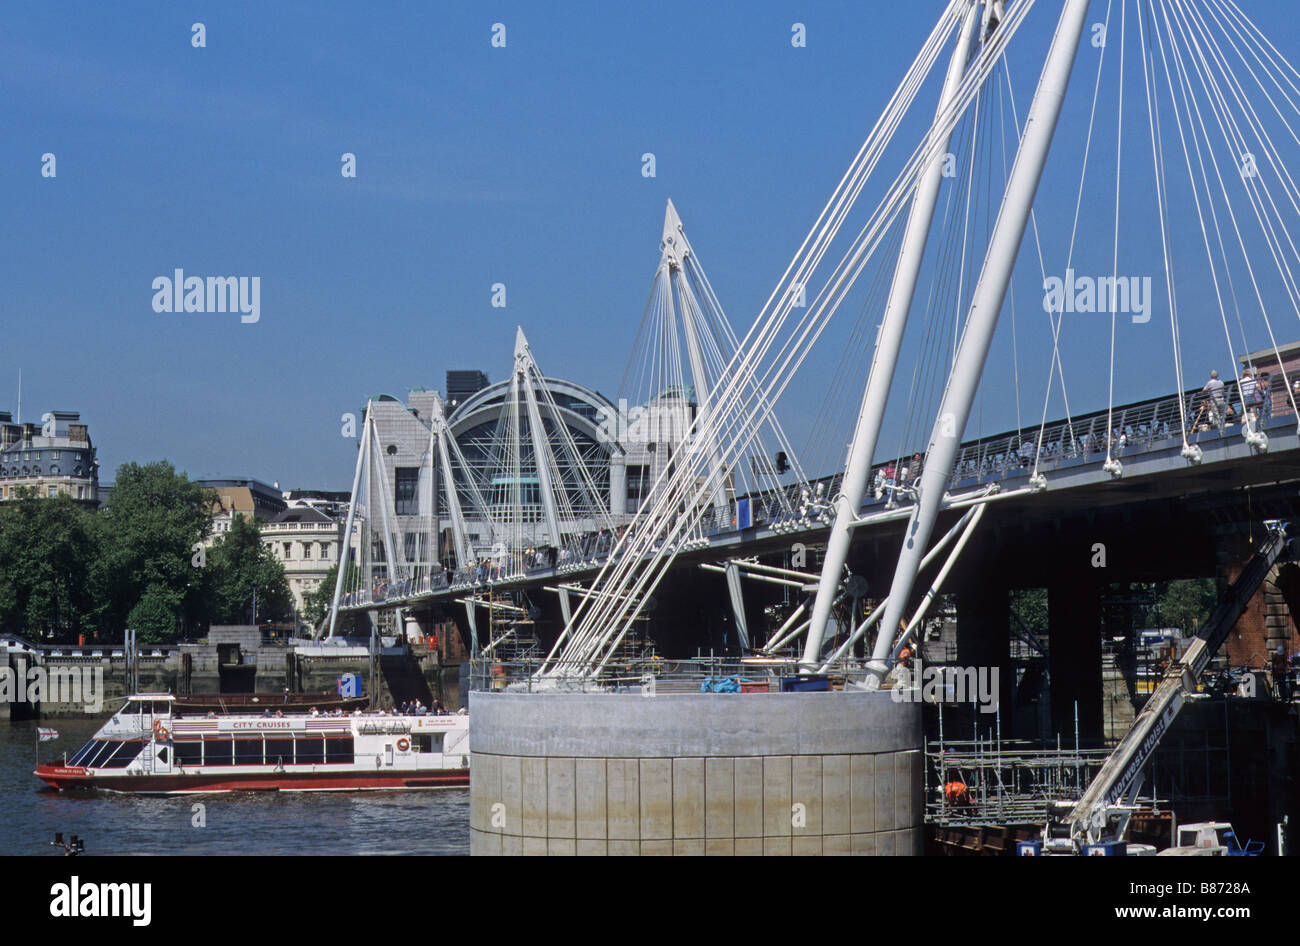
(476, 165)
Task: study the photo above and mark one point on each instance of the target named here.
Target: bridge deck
(1070, 455)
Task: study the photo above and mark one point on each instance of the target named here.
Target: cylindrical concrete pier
(743, 774)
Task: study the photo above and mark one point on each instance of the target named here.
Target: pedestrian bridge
(1067, 461)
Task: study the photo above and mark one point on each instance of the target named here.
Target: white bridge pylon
(768, 357)
(691, 471)
(398, 554)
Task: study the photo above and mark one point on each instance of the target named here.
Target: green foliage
(1187, 603)
(67, 570)
(317, 601)
(238, 564)
(145, 568)
(46, 547)
(1029, 609)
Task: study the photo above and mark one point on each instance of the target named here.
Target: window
(324, 550)
(306, 550)
(52, 492)
(248, 751)
(108, 754)
(427, 742)
(189, 751)
(638, 483)
(132, 708)
(279, 752)
(309, 750)
(339, 750)
(124, 754)
(84, 752)
(288, 550)
(217, 751)
(405, 491)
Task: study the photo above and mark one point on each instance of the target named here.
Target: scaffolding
(988, 780)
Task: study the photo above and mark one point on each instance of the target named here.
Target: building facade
(54, 458)
(231, 498)
(305, 540)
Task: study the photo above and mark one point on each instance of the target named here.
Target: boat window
(123, 755)
(309, 750)
(427, 742)
(248, 751)
(339, 750)
(106, 747)
(84, 752)
(132, 708)
(188, 751)
(279, 751)
(217, 751)
(162, 708)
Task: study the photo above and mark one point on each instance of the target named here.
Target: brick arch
(1282, 604)
(1268, 620)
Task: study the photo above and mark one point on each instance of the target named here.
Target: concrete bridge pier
(683, 773)
(983, 639)
(1074, 653)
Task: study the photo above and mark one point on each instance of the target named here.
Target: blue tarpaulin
(720, 685)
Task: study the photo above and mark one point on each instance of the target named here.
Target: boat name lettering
(236, 725)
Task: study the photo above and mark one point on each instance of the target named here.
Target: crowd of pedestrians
(1251, 402)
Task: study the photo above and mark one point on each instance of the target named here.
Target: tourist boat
(149, 747)
(228, 703)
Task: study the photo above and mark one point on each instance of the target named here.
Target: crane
(1102, 814)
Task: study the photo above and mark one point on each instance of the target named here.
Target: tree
(47, 549)
(1186, 603)
(316, 603)
(145, 577)
(1029, 610)
(239, 566)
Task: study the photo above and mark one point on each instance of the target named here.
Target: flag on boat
(47, 735)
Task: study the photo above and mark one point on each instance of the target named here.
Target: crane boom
(1119, 778)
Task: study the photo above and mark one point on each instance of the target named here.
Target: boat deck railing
(646, 676)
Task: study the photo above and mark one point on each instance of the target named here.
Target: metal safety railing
(1129, 429)
(646, 676)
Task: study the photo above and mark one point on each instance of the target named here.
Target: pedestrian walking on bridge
(1214, 391)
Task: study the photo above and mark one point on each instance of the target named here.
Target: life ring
(403, 745)
(159, 729)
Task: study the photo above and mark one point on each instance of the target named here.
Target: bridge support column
(737, 595)
(983, 641)
(1074, 661)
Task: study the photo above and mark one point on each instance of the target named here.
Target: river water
(419, 822)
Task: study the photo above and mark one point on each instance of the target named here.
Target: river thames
(242, 823)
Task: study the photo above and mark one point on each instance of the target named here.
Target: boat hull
(72, 777)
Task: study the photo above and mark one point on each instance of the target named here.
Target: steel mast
(890, 339)
(986, 306)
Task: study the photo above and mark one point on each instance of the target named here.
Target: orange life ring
(403, 745)
(159, 729)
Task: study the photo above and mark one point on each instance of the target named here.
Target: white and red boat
(147, 748)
